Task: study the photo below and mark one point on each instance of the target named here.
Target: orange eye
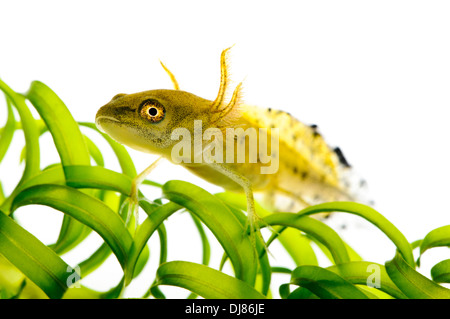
(152, 110)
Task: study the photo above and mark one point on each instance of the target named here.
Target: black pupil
(152, 111)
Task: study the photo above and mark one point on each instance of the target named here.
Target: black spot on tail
(341, 157)
(315, 131)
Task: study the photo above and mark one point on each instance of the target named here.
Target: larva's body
(309, 171)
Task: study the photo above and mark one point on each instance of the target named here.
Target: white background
(374, 75)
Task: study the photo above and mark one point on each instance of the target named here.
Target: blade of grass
(370, 215)
(440, 272)
(86, 209)
(53, 175)
(221, 221)
(2, 194)
(206, 247)
(7, 131)
(162, 234)
(314, 228)
(156, 215)
(95, 260)
(413, 284)
(203, 281)
(325, 284)
(38, 262)
(299, 248)
(97, 177)
(439, 237)
(66, 134)
(111, 199)
(265, 271)
(94, 151)
(30, 131)
(69, 143)
(358, 273)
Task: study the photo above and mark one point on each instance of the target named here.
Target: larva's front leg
(133, 208)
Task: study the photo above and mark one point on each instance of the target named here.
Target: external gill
(223, 116)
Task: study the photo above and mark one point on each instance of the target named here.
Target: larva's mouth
(101, 120)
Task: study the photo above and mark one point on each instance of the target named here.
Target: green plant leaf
(7, 132)
(265, 271)
(206, 247)
(65, 132)
(30, 131)
(221, 221)
(95, 152)
(69, 143)
(84, 208)
(439, 237)
(298, 247)
(97, 177)
(362, 273)
(33, 258)
(203, 281)
(53, 175)
(95, 260)
(325, 284)
(370, 215)
(156, 215)
(413, 284)
(441, 271)
(162, 234)
(314, 228)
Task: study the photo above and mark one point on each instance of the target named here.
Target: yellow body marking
(309, 171)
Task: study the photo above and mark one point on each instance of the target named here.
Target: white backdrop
(374, 75)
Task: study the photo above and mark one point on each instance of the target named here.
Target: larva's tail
(351, 182)
(354, 185)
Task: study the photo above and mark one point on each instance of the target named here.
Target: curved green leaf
(314, 228)
(97, 177)
(368, 273)
(162, 234)
(413, 284)
(298, 246)
(95, 152)
(206, 247)
(7, 132)
(68, 140)
(203, 281)
(84, 208)
(30, 131)
(33, 258)
(370, 215)
(53, 175)
(65, 132)
(156, 215)
(325, 284)
(441, 272)
(221, 221)
(95, 260)
(265, 272)
(439, 237)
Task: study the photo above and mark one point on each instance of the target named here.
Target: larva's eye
(152, 110)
